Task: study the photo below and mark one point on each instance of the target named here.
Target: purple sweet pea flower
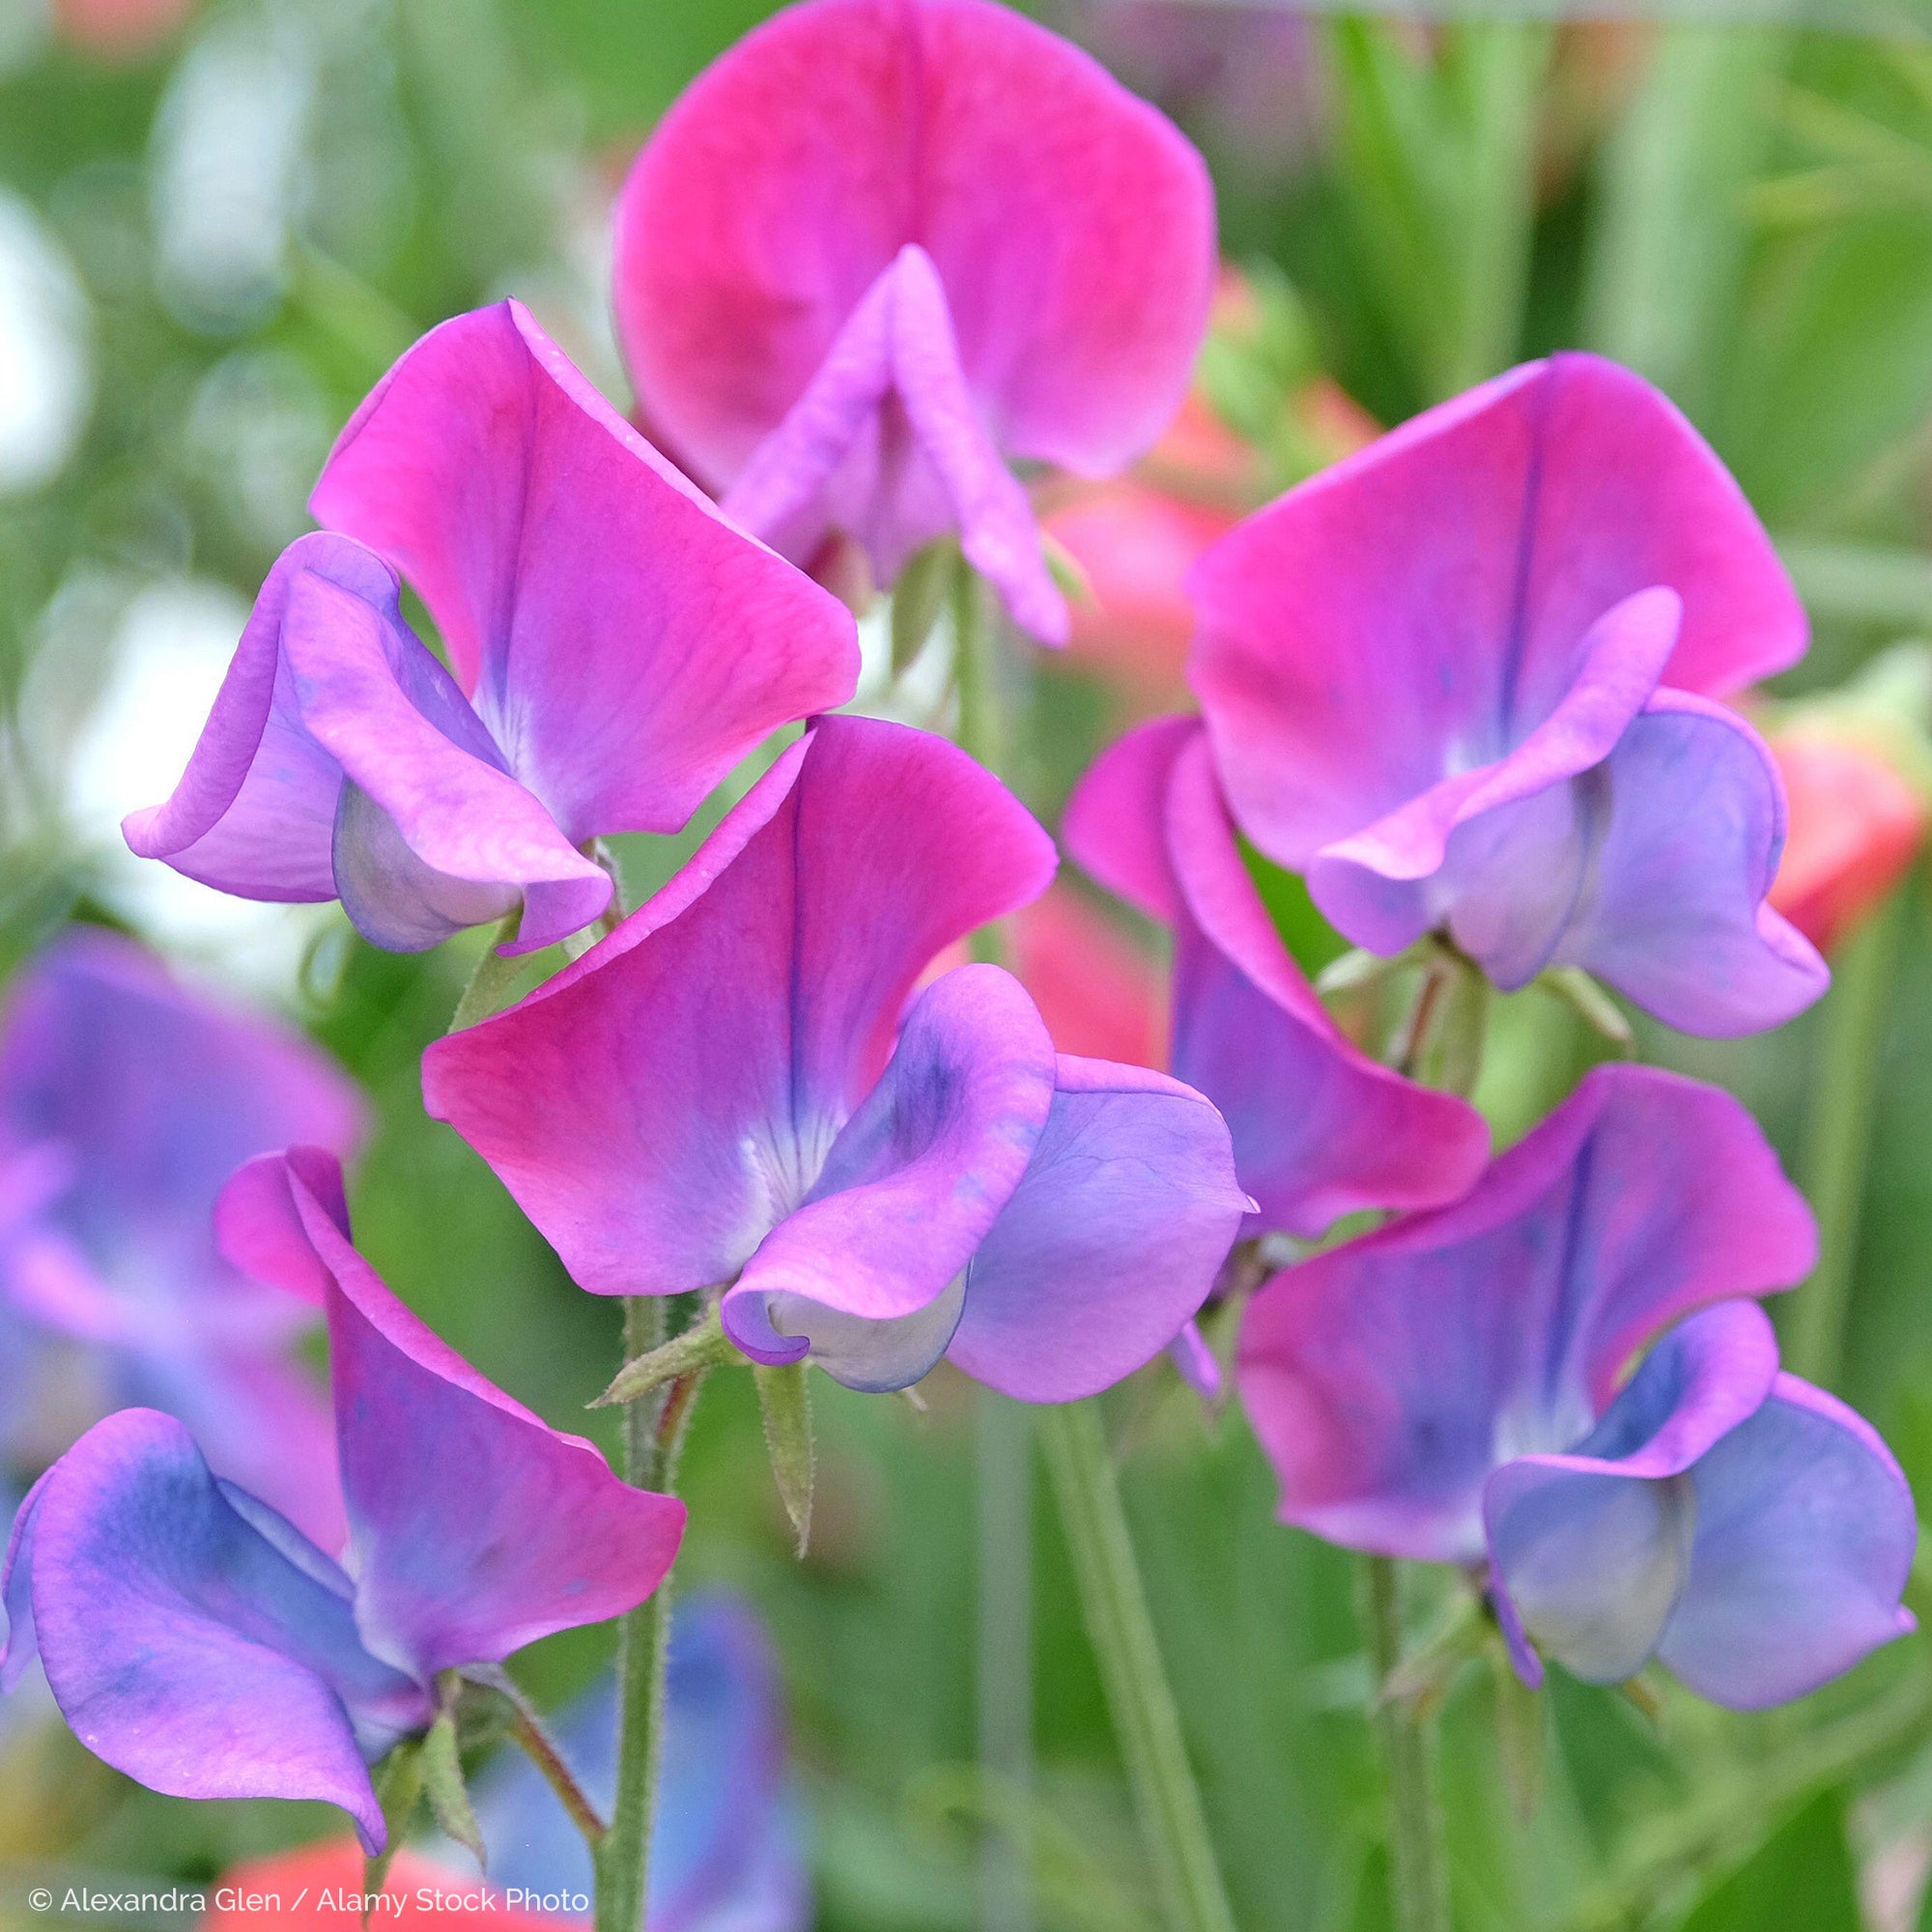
(727, 1852)
(617, 648)
(196, 1640)
(880, 248)
(126, 1102)
(1466, 680)
(1447, 1388)
(872, 1186)
(1320, 1130)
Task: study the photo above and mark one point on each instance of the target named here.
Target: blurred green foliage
(1743, 214)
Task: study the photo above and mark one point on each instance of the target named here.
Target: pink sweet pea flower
(869, 1184)
(1320, 1130)
(617, 648)
(311, 1890)
(196, 1640)
(1452, 1388)
(1468, 680)
(883, 246)
(1856, 826)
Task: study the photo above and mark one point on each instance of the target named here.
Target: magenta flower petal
(738, 1020)
(1111, 1242)
(426, 831)
(833, 463)
(1069, 227)
(192, 1639)
(1805, 1534)
(622, 642)
(1386, 1378)
(501, 1530)
(1592, 1548)
(1320, 1130)
(908, 1191)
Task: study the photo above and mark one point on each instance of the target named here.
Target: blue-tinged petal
(1592, 1548)
(191, 1650)
(1111, 1242)
(1806, 1533)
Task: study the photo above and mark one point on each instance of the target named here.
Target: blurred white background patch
(46, 383)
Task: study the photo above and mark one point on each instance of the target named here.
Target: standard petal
(1675, 914)
(1110, 1244)
(861, 1273)
(1345, 671)
(1806, 1533)
(193, 1651)
(738, 1020)
(626, 646)
(1388, 1378)
(474, 1527)
(1593, 1548)
(886, 442)
(1071, 225)
(1320, 1130)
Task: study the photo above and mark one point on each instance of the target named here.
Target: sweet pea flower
(726, 1851)
(618, 646)
(868, 1184)
(1320, 1130)
(1855, 827)
(313, 1888)
(1449, 1388)
(882, 246)
(1467, 680)
(197, 1641)
(126, 1102)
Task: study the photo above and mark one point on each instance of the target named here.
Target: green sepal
(442, 1777)
(399, 1788)
(919, 596)
(703, 1346)
(1598, 1010)
(787, 1403)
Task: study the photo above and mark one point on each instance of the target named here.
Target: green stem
(1417, 1877)
(528, 1733)
(492, 977)
(654, 1428)
(1145, 1715)
(1854, 1015)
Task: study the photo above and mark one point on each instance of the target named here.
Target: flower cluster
(1467, 686)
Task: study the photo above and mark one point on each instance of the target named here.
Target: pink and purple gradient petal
(740, 1018)
(625, 645)
(505, 1530)
(191, 1637)
(1320, 1130)
(1387, 1379)
(1063, 236)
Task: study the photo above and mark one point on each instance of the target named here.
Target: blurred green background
(217, 226)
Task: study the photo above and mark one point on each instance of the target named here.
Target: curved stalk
(1418, 1880)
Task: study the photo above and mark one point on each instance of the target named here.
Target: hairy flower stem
(654, 1429)
(1840, 1136)
(1004, 1694)
(1145, 1715)
(1418, 1880)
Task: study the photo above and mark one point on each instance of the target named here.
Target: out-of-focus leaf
(1669, 241)
(1306, 934)
(1801, 1877)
